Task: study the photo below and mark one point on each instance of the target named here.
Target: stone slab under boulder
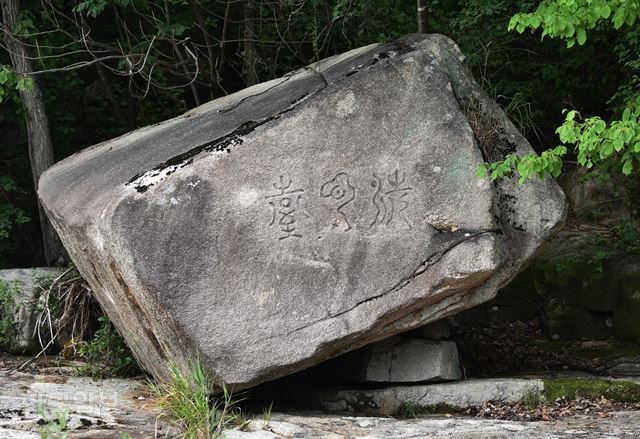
(391, 399)
(296, 220)
(457, 395)
(402, 360)
(20, 291)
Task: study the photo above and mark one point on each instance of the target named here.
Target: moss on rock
(572, 388)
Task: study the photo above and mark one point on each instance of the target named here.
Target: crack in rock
(432, 260)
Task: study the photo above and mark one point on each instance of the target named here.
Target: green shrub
(8, 309)
(107, 353)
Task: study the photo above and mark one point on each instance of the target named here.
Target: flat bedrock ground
(107, 408)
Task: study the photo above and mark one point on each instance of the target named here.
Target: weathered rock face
(20, 294)
(301, 218)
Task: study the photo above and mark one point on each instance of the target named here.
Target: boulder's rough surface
(20, 291)
(304, 217)
(403, 360)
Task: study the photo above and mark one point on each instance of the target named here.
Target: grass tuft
(106, 354)
(410, 410)
(533, 399)
(187, 403)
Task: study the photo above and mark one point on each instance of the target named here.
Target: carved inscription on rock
(390, 199)
(339, 189)
(285, 206)
(381, 203)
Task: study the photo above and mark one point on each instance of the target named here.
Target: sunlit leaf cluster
(612, 144)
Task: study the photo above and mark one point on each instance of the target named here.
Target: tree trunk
(422, 16)
(40, 147)
(249, 67)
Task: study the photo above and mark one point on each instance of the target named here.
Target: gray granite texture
(301, 218)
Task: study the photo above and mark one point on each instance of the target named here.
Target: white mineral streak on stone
(109, 296)
(437, 169)
(247, 196)
(346, 105)
(232, 143)
(153, 177)
(174, 201)
(99, 240)
(408, 61)
(264, 296)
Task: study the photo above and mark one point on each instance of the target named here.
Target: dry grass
(67, 312)
(486, 131)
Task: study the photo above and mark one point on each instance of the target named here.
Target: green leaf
(581, 36)
(618, 19)
(627, 168)
(618, 143)
(24, 84)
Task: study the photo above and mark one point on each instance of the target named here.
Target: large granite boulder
(304, 217)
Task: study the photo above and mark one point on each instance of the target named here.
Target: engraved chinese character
(390, 202)
(339, 189)
(285, 204)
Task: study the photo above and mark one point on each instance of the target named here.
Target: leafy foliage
(613, 145)
(10, 80)
(596, 141)
(9, 214)
(571, 19)
(549, 162)
(8, 309)
(107, 353)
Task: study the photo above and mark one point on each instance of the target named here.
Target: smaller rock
(20, 290)
(625, 278)
(399, 360)
(628, 369)
(459, 395)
